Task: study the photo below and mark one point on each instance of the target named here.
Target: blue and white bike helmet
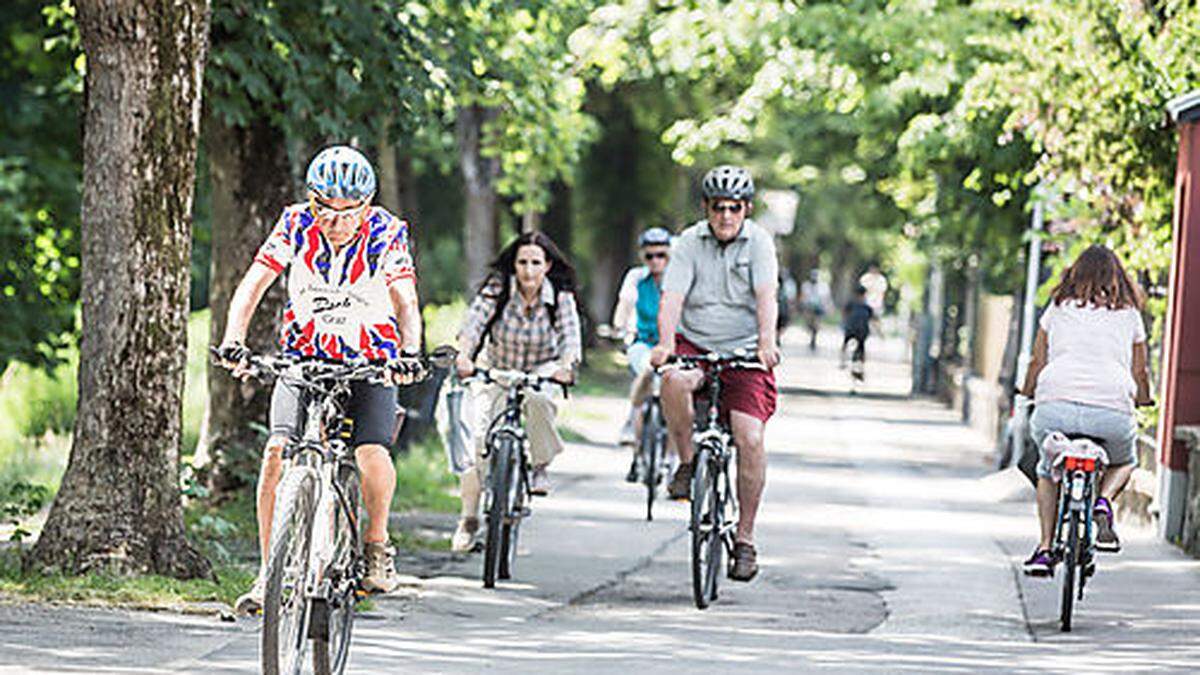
(341, 172)
(655, 236)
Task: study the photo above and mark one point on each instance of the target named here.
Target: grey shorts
(373, 408)
(1118, 429)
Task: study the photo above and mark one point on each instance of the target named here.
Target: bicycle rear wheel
(652, 455)
(331, 654)
(501, 479)
(706, 530)
(1070, 563)
(285, 607)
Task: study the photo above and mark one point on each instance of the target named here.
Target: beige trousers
(545, 444)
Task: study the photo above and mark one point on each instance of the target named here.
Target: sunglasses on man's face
(322, 210)
(654, 255)
(727, 207)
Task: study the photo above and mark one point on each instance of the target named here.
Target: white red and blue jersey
(338, 303)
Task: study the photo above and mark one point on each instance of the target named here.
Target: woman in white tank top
(1089, 369)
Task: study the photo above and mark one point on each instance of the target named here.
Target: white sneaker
(464, 535)
(251, 602)
(539, 482)
(628, 437)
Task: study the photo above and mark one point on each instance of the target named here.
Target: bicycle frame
(718, 439)
(323, 449)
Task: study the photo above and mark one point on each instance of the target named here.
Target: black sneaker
(745, 562)
(681, 483)
(1106, 537)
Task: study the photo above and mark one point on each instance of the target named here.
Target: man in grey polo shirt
(719, 294)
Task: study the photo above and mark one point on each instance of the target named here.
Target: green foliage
(18, 501)
(423, 481)
(195, 390)
(442, 323)
(39, 182)
(323, 70)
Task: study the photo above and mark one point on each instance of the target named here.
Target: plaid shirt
(524, 338)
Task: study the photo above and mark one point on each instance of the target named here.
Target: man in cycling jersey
(637, 314)
(719, 294)
(351, 297)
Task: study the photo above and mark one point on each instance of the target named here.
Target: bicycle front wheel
(1070, 564)
(706, 530)
(502, 472)
(331, 654)
(511, 529)
(285, 607)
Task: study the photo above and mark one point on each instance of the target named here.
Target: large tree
(119, 505)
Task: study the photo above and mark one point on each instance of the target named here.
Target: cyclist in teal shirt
(637, 314)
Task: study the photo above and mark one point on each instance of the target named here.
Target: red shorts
(749, 391)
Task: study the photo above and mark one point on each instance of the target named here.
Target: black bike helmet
(728, 182)
(655, 236)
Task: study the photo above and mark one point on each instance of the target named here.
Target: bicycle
(1080, 463)
(315, 562)
(714, 504)
(506, 449)
(651, 458)
(652, 445)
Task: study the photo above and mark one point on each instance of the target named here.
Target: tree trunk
(119, 506)
(406, 182)
(617, 155)
(479, 182)
(251, 182)
(389, 179)
(557, 222)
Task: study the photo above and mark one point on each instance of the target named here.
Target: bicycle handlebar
(308, 372)
(512, 378)
(735, 360)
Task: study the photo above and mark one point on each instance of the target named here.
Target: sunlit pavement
(882, 550)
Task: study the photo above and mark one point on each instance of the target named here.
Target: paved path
(883, 545)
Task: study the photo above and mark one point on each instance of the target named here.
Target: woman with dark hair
(1089, 369)
(525, 309)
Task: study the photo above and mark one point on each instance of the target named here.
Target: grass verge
(138, 592)
(423, 482)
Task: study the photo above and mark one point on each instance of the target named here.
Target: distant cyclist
(351, 296)
(815, 300)
(856, 327)
(719, 294)
(875, 287)
(1089, 369)
(637, 314)
(525, 310)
